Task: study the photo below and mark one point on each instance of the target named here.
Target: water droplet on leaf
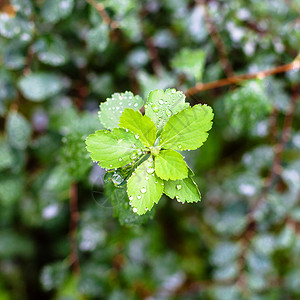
(155, 108)
(150, 170)
(178, 186)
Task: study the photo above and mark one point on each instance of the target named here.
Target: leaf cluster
(147, 145)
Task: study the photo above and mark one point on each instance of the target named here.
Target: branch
(295, 65)
(103, 14)
(153, 55)
(74, 216)
(217, 39)
(275, 171)
(278, 149)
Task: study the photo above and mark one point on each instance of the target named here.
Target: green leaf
(184, 190)
(13, 55)
(144, 188)
(39, 86)
(51, 50)
(74, 157)
(140, 125)
(249, 102)
(162, 105)
(170, 164)
(148, 82)
(113, 149)
(55, 10)
(187, 130)
(11, 189)
(98, 37)
(190, 62)
(23, 7)
(112, 108)
(122, 210)
(18, 130)
(6, 158)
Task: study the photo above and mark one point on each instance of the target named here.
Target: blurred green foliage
(59, 60)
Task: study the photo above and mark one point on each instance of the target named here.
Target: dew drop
(160, 101)
(130, 198)
(150, 170)
(126, 130)
(137, 136)
(133, 146)
(179, 146)
(120, 159)
(168, 113)
(143, 190)
(134, 210)
(139, 197)
(178, 186)
(133, 156)
(155, 108)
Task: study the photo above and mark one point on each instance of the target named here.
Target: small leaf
(140, 125)
(112, 108)
(122, 210)
(184, 190)
(144, 188)
(170, 164)
(18, 130)
(39, 86)
(162, 105)
(74, 157)
(51, 50)
(190, 62)
(187, 130)
(98, 37)
(6, 158)
(249, 102)
(11, 189)
(113, 149)
(55, 10)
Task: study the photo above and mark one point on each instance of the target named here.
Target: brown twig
(278, 152)
(74, 216)
(152, 50)
(295, 65)
(28, 63)
(217, 40)
(273, 125)
(275, 171)
(103, 14)
(153, 55)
